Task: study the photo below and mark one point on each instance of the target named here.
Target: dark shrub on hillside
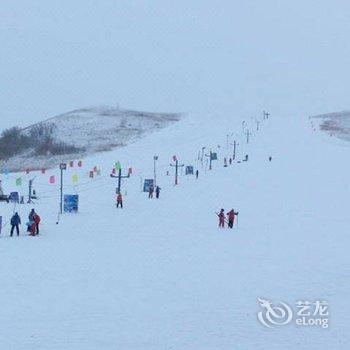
(14, 142)
(42, 130)
(47, 146)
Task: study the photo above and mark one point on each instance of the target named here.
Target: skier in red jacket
(31, 228)
(119, 200)
(36, 219)
(231, 217)
(221, 216)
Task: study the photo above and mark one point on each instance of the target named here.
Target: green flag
(118, 166)
(19, 181)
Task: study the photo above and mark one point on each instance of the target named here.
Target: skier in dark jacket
(197, 174)
(231, 217)
(31, 215)
(15, 222)
(150, 191)
(157, 192)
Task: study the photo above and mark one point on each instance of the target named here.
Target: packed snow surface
(159, 274)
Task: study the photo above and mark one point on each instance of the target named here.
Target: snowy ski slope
(91, 130)
(160, 274)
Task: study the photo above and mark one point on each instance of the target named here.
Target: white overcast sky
(225, 56)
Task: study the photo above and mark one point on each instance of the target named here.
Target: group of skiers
(151, 190)
(32, 224)
(225, 162)
(231, 215)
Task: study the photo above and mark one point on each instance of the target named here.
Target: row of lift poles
(247, 132)
(176, 165)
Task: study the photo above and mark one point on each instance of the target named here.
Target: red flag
(95, 169)
(43, 170)
(71, 163)
(130, 171)
(113, 171)
(80, 164)
(52, 179)
(174, 158)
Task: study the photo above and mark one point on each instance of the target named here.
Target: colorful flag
(43, 170)
(118, 166)
(98, 172)
(75, 178)
(19, 181)
(71, 164)
(80, 164)
(174, 158)
(130, 171)
(52, 179)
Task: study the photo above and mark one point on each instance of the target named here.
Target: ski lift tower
(30, 190)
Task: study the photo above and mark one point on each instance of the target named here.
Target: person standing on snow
(31, 219)
(31, 228)
(197, 174)
(231, 217)
(221, 216)
(36, 219)
(31, 215)
(150, 191)
(230, 161)
(157, 192)
(15, 222)
(119, 200)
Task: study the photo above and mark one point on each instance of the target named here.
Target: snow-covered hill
(159, 274)
(91, 130)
